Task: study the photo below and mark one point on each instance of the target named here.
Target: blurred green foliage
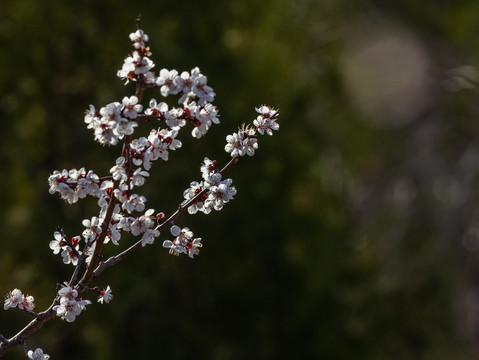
(354, 232)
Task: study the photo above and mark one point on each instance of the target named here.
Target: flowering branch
(116, 193)
(168, 222)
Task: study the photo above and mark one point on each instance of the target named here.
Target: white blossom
(136, 65)
(93, 229)
(37, 355)
(74, 184)
(13, 299)
(176, 118)
(143, 223)
(167, 82)
(105, 295)
(194, 189)
(203, 118)
(220, 195)
(133, 202)
(57, 244)
(138, 177)
(27, 303)
(194, 247)
(175, 230)
(241, 143)
(91, 118)
(204, 92)
(137, 150)
(130, 107)
(124, 127)
(118, 171)
(184, 243)
(127, 71)
(111, 112)
(125, 223)
(104, 133)
(210, 173)
(184, 83)
(88, 252)
(113, 234)
(87, 184)
(69, 309)
(60, 182)
(266, 121)
(139, 38)
(70, 304)
(70, 255)
(149, 236)
(158, 110)
(161, 141)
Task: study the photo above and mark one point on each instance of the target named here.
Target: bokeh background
(355, 231)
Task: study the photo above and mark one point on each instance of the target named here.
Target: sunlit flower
(149, 236)
(70, 255)
(57, 244)
(143, 223)
(204, 92)
(210, 172)
(194, 189)
(13, 299)
(184, 242)
(70, 304)
(105, 295)
(118, 171)
(92, 229)
(130, 107)
(167, 82)
(266, 121)
(37, 355)
(139, 38)
(219, 195)
(138, 177)
(241, 143)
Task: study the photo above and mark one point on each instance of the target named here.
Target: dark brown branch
(97, 254)
(33, 326)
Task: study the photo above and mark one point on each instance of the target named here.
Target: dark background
(354, 233)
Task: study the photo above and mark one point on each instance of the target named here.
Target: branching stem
(182, 208)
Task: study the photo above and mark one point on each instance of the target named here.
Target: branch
(67, 183)
(97, 256)
(95, 260)
(32, 327)
(182, 208)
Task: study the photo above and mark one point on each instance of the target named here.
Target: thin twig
(96, 257)
(24, 343)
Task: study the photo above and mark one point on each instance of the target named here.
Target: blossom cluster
(144, 225)
(37, 355)
(138, 66)
(114, 121)
(70, 250)
(74, 184)
(184, 243)
(244, 142)
(211, 193)
(71, 305)
(15, 298)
